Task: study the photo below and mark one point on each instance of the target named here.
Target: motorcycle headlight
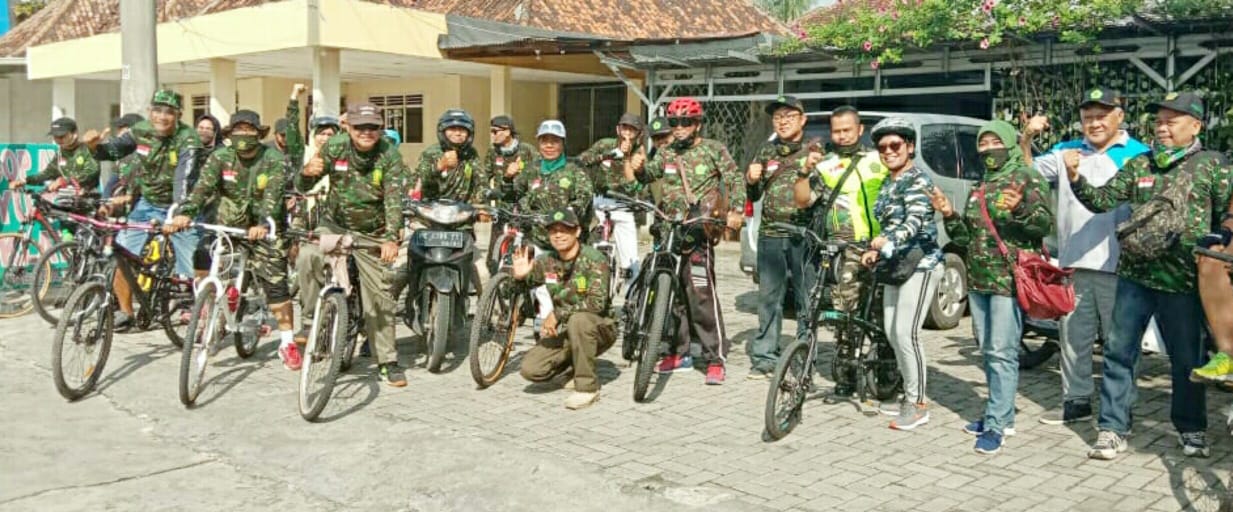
(446, 213)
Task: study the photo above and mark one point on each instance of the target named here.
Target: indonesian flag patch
(143, 150)
(341, 165)
(550, 278)
(670, 169)
(229, 174)
(1147, 181)
(772, 165)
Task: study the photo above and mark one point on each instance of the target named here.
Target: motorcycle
(441, 264)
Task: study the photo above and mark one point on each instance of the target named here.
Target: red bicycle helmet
(685, 107)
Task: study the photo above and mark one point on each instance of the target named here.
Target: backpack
(1157, 225)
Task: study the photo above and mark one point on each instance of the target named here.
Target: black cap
(1101, 96)
(245, 116)
(1186, 102)
(62, 126)
(503, 122)
(280, 126)
(785, 101)
(564, 216)
(631, 120)
(659, 126)
(127, 121)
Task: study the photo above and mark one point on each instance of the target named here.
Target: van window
(937, 148)
(969, 161)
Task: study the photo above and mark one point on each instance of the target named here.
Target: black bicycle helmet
(321, 122)
(894, 125)
(455, 118)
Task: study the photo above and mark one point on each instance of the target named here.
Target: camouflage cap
(1186, 102)
(168, 97)
(564, 216)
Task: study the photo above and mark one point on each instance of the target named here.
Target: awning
(748, 49)
(463, 33)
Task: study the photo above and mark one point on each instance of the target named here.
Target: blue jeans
(997, 322)
(1180, 317)
(776, 257)
(183, 243)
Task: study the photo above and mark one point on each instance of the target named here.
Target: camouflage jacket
(707, 165)
(1022, 228)
(77, 164)
(496, 164)
(365, 188)
(606, 170)
(576, 286)
(777, 189)
(539, 192)
(906, 216)
(295, 139)
(247, 190)
(466, 183)
(1138, 181)
(166, 167)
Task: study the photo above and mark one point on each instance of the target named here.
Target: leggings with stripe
(904, 308)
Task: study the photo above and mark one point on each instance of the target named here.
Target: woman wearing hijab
(1015, 197)
(211, 133)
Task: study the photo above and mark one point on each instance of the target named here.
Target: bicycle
(863, 348)
(68, 264)
(225, 305)
(504, 306)
(87, 320)
(20, 255)
(646, 317)
(337, 321)
(602, 241)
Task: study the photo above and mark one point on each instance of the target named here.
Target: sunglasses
(893, 147)
(681, 121)
(499, 130)
(366, 127)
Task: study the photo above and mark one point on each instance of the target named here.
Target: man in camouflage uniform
(1160, 282)
(772, 177)
(551, 182)
(451, 168)
(692, 168)
(366, 176)
(168, 158)
(247, 179)
(507, 157)
(580, 327)
(605, 162)
(74, 166)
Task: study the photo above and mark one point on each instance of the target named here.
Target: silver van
(946, 149)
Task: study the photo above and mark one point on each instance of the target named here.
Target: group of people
(1106, 186)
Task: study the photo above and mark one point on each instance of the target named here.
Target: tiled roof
(63, 20)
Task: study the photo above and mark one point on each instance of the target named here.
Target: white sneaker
(578, 400)
(569, 384)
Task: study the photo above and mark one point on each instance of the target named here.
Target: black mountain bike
(864, 353)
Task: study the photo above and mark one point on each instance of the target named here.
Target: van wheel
(951, 300)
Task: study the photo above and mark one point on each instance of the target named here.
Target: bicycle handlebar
(1216, 255)
(271, 235)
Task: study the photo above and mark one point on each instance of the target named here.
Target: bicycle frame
(228, 266)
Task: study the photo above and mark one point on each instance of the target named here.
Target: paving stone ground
(441, 444)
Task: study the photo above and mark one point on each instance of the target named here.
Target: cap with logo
(785, 101)
(631, 120)
(564, 216)
(1101, 96)
(659, 126)
(551, 127)
(1186, 102)
(168, 98)
(361, 114)
(61, 127)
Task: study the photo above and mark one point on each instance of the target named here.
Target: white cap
(551, 127)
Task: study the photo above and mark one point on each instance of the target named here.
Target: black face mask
(994, 159)
(683, 144)
(846, 150)
(785, 148)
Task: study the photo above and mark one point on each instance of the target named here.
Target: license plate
(440, 239)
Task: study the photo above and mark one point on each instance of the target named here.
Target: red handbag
(1045, 292)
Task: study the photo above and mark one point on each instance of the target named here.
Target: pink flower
(875, 64)
(1022, 21)
(984, 43)
(988, 6)
(895, 15)
(868, 45)
(882, 10)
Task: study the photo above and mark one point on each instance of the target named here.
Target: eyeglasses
(791, 116)
(366, 127)
(681, 121)
(892, 147)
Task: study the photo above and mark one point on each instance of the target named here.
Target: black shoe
(365, 350)
(394, 374)
(1071, 412)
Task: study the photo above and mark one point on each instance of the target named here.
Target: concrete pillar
(222, 89)
(554, 99)
(138, 56)
(633, 104)
(501, 89)
(63, 97)
(326, 81)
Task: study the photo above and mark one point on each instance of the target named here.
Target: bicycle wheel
(494, 329)
(441, 311)
(659, 302)
(18, 263)
(323, 355)
(206, 326)
(177, 298)
(77, 362)
(60, 271)
(882, 371)
(787, 390)
(355, 325)
(246, 338)
(631, 324)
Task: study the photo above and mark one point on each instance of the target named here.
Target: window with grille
(404, 114)
(201, 106)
